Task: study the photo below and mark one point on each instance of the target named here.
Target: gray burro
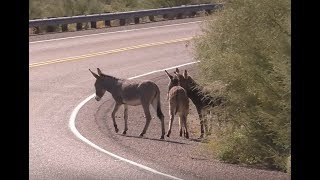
(202, 100)
(178, 103)
(129, 92)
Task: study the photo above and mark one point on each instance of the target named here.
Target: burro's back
(178, 101)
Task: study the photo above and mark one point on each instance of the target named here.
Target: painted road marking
(123, 31)
(74, 58)
(72, 126)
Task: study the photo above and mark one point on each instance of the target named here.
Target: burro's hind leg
(170, 123)
(184, 123)
(113, 115)
(205, 121)
(211, 117)
(180, 126)
(125, 119)
(148, 118)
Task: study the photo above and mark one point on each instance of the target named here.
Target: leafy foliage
(247, 46)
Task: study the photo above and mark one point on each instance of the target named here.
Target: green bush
(247, 46)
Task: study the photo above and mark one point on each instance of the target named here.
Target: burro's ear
(185, 74)
(170, 76)
(99, 71)
(177, 70)
(94, 74)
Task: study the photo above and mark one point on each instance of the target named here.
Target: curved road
(59, 81)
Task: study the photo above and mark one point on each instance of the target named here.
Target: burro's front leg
(201, 123)
(180, 126)
(125, 119)
(113, 115)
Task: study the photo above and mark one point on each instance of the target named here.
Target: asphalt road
(59, 81)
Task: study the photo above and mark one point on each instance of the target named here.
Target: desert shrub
(247, 46)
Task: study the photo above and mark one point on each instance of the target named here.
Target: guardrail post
(64, 27)
(36, 30)
(107, 23)
(122, 22)
(79, 26)
(50, 28)
(168, 16)
(151, 18)
(136, 20)
(180, 16)
(171, 17)
(93, 24)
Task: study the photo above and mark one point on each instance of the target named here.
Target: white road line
(164, 69)
(169, 25)
(73, 128)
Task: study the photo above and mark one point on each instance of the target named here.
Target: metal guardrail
(173, 11)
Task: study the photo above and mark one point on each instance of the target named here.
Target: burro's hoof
(168, 134)
(162, 137)
(141, 135)
(117, 130)
(124, 132)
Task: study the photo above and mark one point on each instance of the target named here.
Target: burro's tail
(159, 112)
(157, 104)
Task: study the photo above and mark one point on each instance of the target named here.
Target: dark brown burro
(128, 92)
(202, 100)
(178, 104)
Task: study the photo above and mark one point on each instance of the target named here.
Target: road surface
(59, 81)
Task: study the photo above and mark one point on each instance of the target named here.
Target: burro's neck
(112, 84)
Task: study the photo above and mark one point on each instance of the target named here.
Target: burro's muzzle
(97, 98)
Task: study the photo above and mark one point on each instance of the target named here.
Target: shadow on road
(153, 139)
